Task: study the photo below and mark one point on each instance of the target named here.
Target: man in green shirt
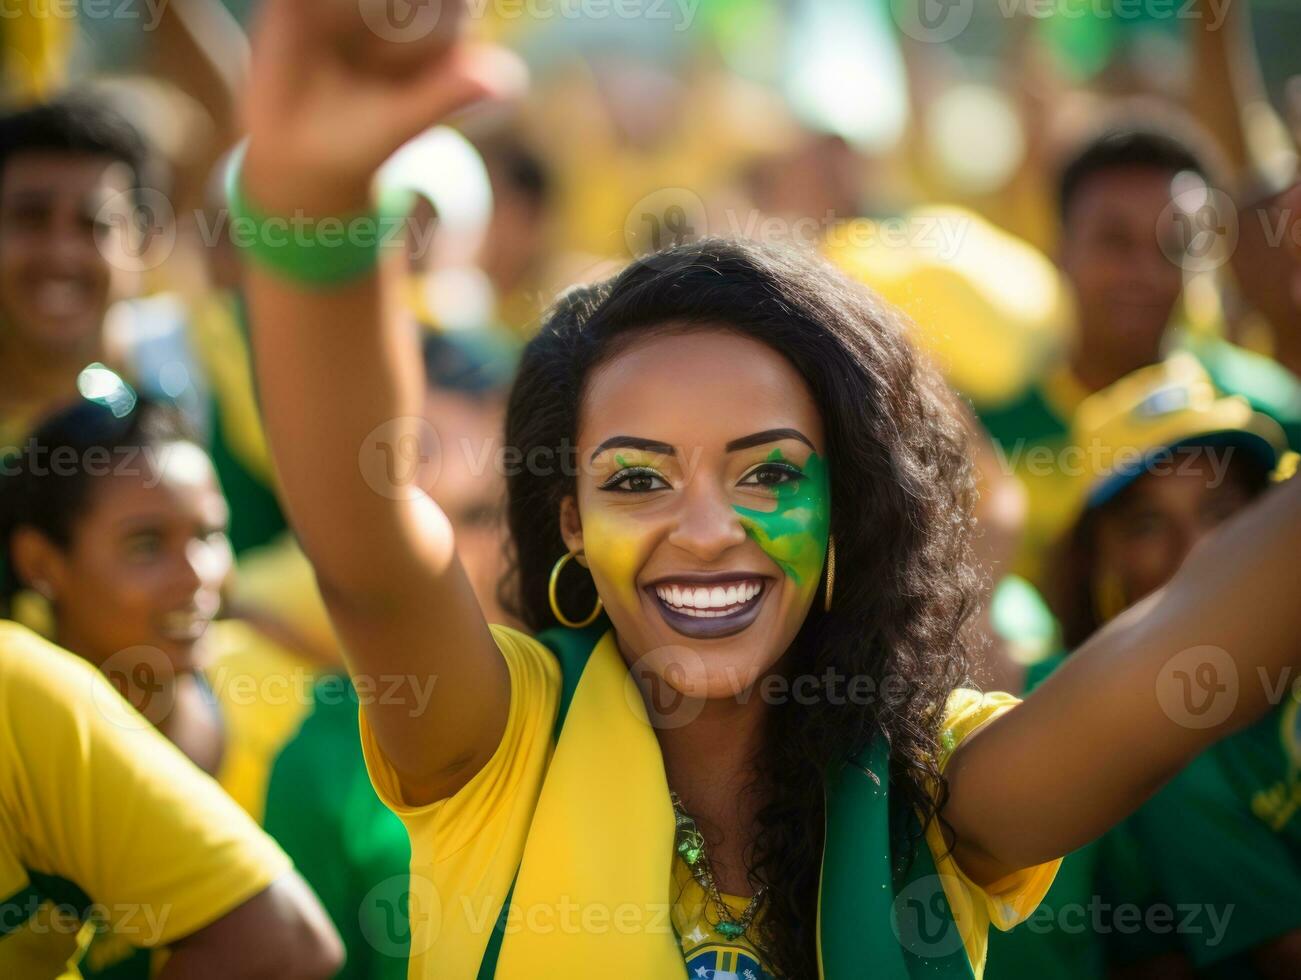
(353, 850)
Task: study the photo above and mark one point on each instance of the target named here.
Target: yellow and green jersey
(466, 850)
(103, 822)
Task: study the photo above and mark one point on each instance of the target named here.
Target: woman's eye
(771, 475)
(635, 481)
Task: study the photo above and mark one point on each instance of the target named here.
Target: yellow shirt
(97, 807)
(466, 848)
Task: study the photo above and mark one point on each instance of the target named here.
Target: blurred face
(470, 489)
(57, 240)
(1125, 285)
(703, 506)
(147, 560)
(1145, 535)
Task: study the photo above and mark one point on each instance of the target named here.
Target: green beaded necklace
(691, 848)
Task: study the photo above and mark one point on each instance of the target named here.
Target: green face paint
(794, 534)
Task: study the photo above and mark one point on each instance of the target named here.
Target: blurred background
(1059, 193)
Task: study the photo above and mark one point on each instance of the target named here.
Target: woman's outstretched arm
(1198, 660)
(341, 387)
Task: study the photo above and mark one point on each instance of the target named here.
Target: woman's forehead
(707, 385)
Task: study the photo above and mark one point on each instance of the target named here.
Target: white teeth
(714, 601)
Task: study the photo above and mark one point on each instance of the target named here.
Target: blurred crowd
(1090, 212)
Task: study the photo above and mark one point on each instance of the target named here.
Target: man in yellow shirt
(104, 824)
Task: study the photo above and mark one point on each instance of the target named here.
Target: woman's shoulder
(529, 660)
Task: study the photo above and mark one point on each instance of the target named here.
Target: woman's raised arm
(340, 381)
(1203, 657)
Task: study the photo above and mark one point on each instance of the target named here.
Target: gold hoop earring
(831, 570)
(555, 602)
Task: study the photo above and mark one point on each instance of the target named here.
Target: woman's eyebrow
(770, 435)
(633, 442)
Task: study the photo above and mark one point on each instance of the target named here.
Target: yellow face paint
(617, 553)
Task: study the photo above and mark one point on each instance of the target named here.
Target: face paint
(616, 550)
(794, 534)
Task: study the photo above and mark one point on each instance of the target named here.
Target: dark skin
(139, 584)
(1124, 284)
(280, 934)
(63, 219)
(1142, 539)
(1148, 532)
(1030, 786)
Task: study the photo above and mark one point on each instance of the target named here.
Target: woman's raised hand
(338, 85)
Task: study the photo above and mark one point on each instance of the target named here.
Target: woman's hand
(337, 86)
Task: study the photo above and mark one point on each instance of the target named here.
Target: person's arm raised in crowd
(339, 376)
(200, 48)
(1190, 664)
(1227, 89)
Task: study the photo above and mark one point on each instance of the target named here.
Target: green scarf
(881, 914)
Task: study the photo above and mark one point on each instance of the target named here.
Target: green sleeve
(1207, 850)
(351, 849)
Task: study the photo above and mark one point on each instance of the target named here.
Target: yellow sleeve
(1006, 902)
(467, 848)
(524, 749)
(99, 799)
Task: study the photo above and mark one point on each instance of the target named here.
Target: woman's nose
(707, 524)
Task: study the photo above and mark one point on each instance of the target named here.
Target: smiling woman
(762, 387)
(758, 758)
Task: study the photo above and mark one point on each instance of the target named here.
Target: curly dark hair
(901, 493)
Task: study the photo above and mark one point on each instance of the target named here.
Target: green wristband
(319, 252)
